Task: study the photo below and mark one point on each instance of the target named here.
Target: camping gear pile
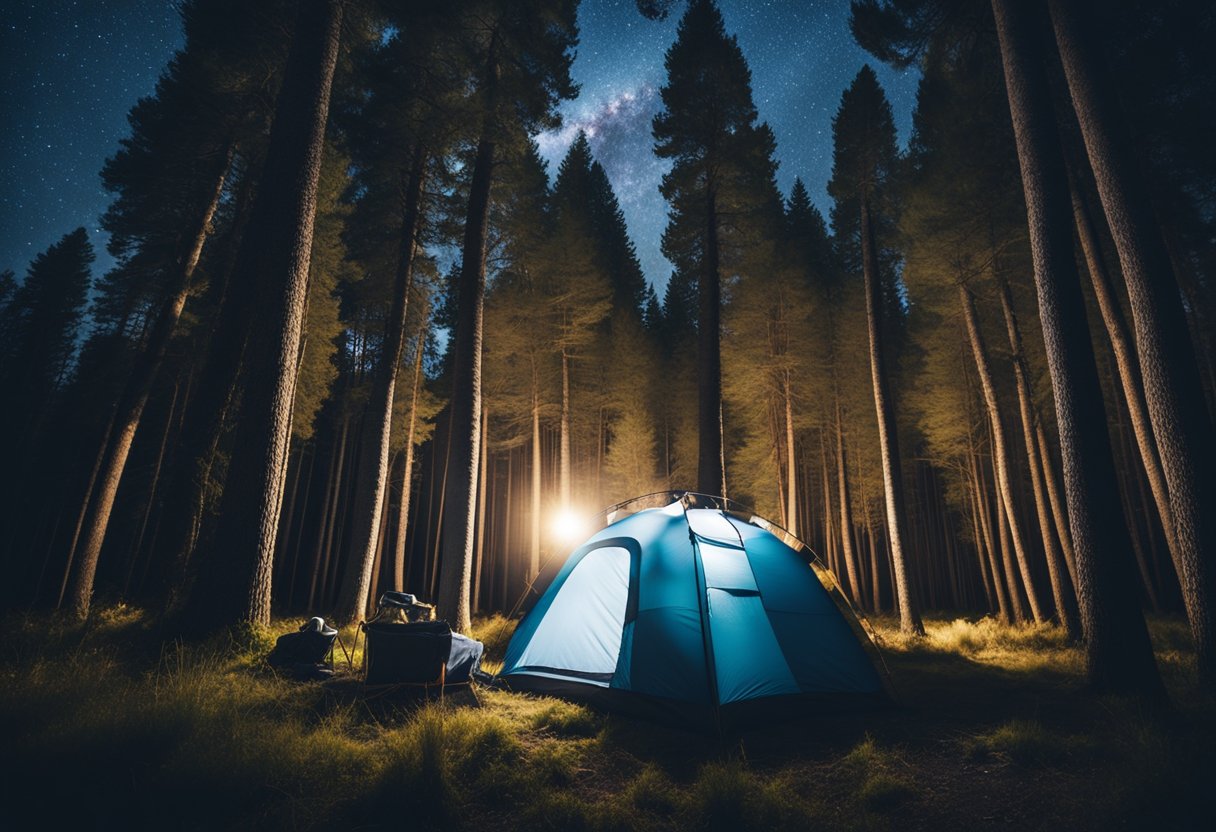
(696, 612)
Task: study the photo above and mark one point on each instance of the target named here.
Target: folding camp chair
(406, 655)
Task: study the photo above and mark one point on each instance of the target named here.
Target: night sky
(73, 68)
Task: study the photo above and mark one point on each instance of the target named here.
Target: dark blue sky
(69, 72)
(71, 69)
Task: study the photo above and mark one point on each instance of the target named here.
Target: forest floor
(105, 726)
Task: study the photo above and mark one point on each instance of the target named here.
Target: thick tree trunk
(1127, 366)
(1118, 651)
(130, 407)
(1061, 590)
(1000, 452)
(372, 470)
(888, 436)
(458, 515)
(1172, 386)
(710, 473)
(275, 253)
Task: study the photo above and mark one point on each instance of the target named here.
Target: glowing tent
(696, 612)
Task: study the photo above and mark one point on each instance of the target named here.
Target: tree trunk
(1172, 386)
(534, 537)
(482, 475)
(1062, 592)
(465, 440)
(150, 501)
(563, 464)
(373, 467)
(791, 469)
(994, 542)
(275, 252)
(888, 436)
(1000, 452)
(1118, 651)
(846, 515)
(407, 480)
(1127, 366)
(710, 474)
(130, 407)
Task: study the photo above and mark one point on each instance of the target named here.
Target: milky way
(801, 55)
(72, 69)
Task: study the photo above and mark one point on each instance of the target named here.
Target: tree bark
(407, 479)
(1127, 366)
(1118, 652)
(130, 408)
(464, 456)
(1062, 592)
(373, 467)
(846, 515)
(888, 436)
(1186, 441)
(1000, 452)
(275, 253)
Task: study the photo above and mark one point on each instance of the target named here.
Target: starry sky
(72, 69)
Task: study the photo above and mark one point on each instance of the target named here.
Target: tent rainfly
(701, 616)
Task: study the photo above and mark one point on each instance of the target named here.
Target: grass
(107, 726)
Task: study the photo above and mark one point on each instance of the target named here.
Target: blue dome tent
(690, 608)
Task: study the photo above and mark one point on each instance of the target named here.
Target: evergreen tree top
(708, 91)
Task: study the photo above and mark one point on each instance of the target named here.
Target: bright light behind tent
(569, 526)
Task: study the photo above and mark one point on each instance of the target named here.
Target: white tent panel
(582, 629)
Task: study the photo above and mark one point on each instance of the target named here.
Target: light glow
(569, 526)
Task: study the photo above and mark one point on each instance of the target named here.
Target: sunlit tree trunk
(458, 514)
(373, 465)
(534, 539)
(1061, 590)
(1118, 651)
(888, 438)
(847, 553)
(1004, 607)
(482, 476)
(407, 478)
(791, 464)
(1000, 450)
(710, 473)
